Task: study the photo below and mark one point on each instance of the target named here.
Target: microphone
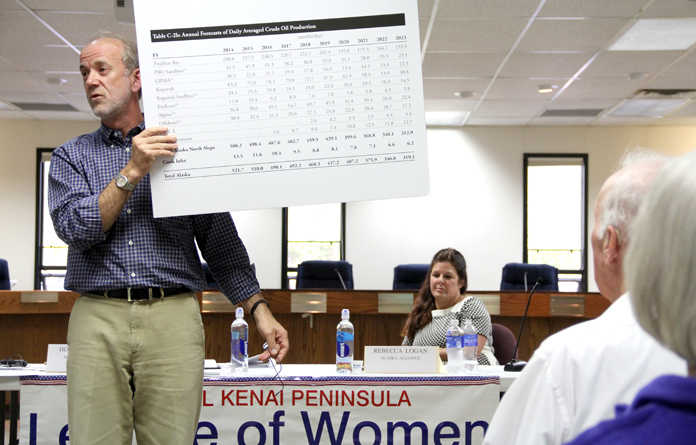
(343, 283)
(515, 365)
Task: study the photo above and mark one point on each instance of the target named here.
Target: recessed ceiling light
(445, 118)
(658, 35)
(463, 94)
(546, 88)
(647, 107)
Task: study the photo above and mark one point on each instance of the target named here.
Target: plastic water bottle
(455, 353)
(344, 343)
(239, 355)
(469, 345)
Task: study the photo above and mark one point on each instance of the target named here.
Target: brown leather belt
(141, 293)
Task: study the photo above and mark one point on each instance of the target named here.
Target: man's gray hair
(660, 265)
(129, 55)
(623, 196)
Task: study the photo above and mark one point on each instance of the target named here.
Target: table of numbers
(278, 97)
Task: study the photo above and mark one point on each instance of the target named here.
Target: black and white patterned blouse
(434, 333)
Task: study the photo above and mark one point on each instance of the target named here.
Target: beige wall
(19, 140)
(475, 203)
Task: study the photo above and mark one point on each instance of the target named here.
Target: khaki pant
(135, 366)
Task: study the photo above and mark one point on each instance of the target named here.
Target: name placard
(56, 358)
(402, 360)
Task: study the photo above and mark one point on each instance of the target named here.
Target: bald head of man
(617, 204)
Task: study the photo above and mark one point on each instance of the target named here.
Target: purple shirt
(138, 250)
(663, 412)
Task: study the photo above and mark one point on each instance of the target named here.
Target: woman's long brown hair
(425, 302)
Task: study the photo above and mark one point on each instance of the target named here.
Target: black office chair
(504, 343)
(4, 275)
(325, 275)
(522, 276)
(409, 276)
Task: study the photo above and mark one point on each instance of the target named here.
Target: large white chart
(278, 103)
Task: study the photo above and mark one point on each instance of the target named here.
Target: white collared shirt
(577, 376)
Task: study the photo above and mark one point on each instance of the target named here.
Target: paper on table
(278, 103)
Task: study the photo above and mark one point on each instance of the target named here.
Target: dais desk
(309, 316)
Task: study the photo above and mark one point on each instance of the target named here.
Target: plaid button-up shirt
(138, 250)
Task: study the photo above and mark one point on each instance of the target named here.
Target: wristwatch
(123, 183)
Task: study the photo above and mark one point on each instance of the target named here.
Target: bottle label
(469, 340)
(342, 346)
(453, 341)
(342, 349)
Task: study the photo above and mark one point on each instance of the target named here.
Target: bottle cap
(345, 314)
(239, 312)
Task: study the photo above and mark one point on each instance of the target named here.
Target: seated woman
(440, 299)
(660, 268)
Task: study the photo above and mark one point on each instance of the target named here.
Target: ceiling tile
(685, 81)
(61, 115)
(16, 84)
(687, 65)
(601, 88)
(20, 26)
(65, 5)
(671, 9)
(46, 59)
(422, 28)
(450, 105)
(623, 63)
(591, 8)
(460, 65)
(509, 108)
(425, 8)
(612, 120)
(553, 121)
(445, 88)
(475, 35)
(575, 35)
(78, 101)
(22, 81)
(25, 96)
(543, 65)
(458, 9)
(688, 110)
(491, 121)
(6, 65)
(33, 36)
(80, 29)
(519, 88)
(9, 5)
(582, 104)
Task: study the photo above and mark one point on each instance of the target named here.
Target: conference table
(297, 404)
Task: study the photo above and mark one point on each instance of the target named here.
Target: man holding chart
(135, 334)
